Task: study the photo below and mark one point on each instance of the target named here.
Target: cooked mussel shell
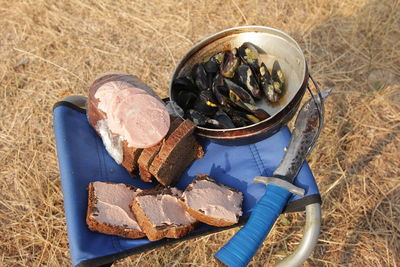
(219, 90)
(278, 77)
(249, 55)
(258, 112)
(200, 77)
(184, 84)
(238, 93)
(185, 99)
(268, 85)
(211, 66)
(277, 73)
(238, 118)
(264, 73)
(229, 63)
(247, 78)
(270, 92)
(206, 103)
(219, 57)
(198, 118)
(224, 121)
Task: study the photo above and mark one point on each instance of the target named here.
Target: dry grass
(51, 49)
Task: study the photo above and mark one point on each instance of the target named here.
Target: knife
(242, 246)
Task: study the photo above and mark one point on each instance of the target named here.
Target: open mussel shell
(249, 55)
(218, 57)
(247, 78)
(224, 121)
(219, 121)
(258, 112)
(264, 73)
(277, 73)
(229, 63)
(267, 84)
(238, 93)
(238, 118)
(270, 92)
(278, 77)
(219, 90)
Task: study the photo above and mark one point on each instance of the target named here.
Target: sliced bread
(148, 154)
(108, 210)
(160, 215)
(178, 151)
(130, 158)
(211, 202)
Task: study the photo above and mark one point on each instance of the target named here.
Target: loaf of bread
(211, 202)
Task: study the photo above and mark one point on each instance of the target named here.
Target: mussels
(197, 117)
(220, 91)
(229, 63)
(249, 55)
(277, 77)
(258, 112)
(238, 93)
(224, 121)
(206, 103)
(223, 92)
(247, 78)
(184, 83)
(185, 99)
(240, 118)
(200, 77)
(266, 84)
(211, 66)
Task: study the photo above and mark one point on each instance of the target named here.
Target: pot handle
(320, 106)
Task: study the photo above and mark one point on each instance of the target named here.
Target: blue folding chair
(83, 159)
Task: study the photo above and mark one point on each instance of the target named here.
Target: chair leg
(309, 240)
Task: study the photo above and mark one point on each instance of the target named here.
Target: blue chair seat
(83, 159)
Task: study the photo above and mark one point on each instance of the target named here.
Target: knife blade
(242, 246)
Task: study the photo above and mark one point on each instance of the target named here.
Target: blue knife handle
(242, 246)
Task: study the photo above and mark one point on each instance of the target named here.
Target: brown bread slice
(131, 156)
(210, 201)
(178, 151)
(109, 223)
(148, 206)
(148, 154)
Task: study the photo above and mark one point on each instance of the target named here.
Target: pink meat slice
(106, 94)
(144, 120)
(114, 122)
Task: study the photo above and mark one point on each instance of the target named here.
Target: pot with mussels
(241, 83)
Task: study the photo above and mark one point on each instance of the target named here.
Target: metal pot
(277, 45)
